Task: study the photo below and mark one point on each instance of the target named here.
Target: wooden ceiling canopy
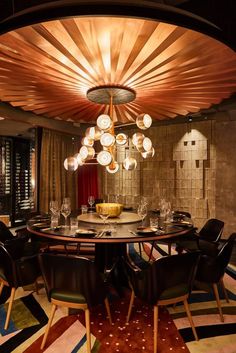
(47, 68)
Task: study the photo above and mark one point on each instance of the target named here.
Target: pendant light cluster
(105, 133)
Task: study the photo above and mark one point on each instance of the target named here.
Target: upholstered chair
(211, 270)
(73, 282)
(210, 233)
(167, 280)
(16, 270)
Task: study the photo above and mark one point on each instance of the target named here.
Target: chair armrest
(133, 267)
(208, 247)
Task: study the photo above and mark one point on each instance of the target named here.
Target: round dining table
(110, 240)
(112, 233)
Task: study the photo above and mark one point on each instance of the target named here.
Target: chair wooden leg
(1, 288)
(13, 290)
(190, 319)
(155, 324)
(88, 335)
(130, 306)
(224, 290)
(108, 310)
(36, 287)
(140, 249)
(150, 255)
(48, 326)
(218, 301)
(169, 249)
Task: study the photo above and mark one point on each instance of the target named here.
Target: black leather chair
(29, 248)
(73, 282)
(210, 234)
(167, 280)
(170, 241)
(16, 270)
(211, 270)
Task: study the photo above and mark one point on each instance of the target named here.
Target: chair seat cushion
(174, 292)
(67, 296)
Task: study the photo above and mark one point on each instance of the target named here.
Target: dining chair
(210, 233)
(29, 248)
(170, 240)
(16, 269)
(74, 282)
(211, 270)
(168, 280)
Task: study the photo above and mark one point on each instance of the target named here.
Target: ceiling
(47, 68)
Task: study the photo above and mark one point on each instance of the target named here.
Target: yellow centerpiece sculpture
(112, 209)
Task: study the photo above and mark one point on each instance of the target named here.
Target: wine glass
(91, 201)
(54, 207)
(142, 212)
(65, 210)
(104, 216)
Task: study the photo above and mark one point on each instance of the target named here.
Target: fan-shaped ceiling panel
(48, 68)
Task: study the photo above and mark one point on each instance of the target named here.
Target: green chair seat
(174, 292)
(68, 296)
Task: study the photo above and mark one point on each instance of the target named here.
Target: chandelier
(104, 131)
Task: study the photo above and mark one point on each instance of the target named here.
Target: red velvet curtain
(87, 183)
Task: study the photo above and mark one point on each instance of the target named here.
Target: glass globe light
(104, 158)
(86, 152)
(86, 141)
(149, 153)
(143, 121)
(93, 133)
(79, 158)
(137, 138)
(147, 144)
(121, 139)
(70, 163)
(112, 168)
(104, 122)
(107, 139)
(130, 163)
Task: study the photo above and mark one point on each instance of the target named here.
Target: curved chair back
(17, 270)
(5, 233)
(212, 230)
(8, 270)
(171, 276)
(73, 274)
(212, 268)
(187, 214)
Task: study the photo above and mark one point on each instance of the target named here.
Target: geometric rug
(67, 335)
(27, 317)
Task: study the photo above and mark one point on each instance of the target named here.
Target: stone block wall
(194, 167)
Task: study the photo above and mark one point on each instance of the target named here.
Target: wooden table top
(120, 233)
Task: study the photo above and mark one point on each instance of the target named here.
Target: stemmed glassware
(142, 212)
(104, 216)
(55, 213)
(66, 209)
(91, 201)
(54, 207)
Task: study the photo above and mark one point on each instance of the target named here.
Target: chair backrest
(166, 273)
(187, 214)
(212, 268)
(73, 274)
(5, 233)
(212, 230)
(18, 270)
(7, 266)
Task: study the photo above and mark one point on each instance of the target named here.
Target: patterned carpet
(68, 332)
